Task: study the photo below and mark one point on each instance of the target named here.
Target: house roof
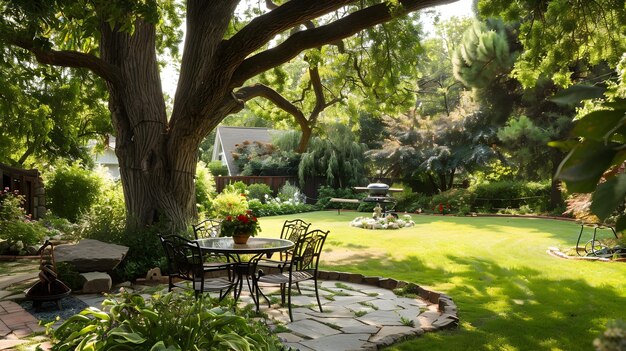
(229, 137)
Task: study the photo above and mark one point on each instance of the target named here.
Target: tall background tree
(118, 41)
(47, 115)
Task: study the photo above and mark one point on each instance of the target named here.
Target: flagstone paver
(337, 342)
(312, 329)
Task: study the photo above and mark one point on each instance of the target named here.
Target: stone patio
(359, 313)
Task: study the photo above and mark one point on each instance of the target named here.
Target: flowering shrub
(17, 231)
(456, 201)
(441, 208)
(276, 207)
(386, 222)
(229, 203)
(242, 223)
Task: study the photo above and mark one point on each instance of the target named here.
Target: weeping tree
(337, 157)
(118, 41)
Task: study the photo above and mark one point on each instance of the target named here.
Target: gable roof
(229, 137)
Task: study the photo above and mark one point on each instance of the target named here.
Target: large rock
(91, 255)
(96, 282)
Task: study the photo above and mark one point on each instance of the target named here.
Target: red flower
(441, 208)
(242, 218)
(229, 218)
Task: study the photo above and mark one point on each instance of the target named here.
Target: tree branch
(260, 90)
(318, 89)
(72, 59)
(265, 27)
(316, 37)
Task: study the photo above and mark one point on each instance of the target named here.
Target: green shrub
(238, 186)
(457, 201)
(169, 322)
(205, 188)
(289, 192)
(21, 234)
(106, 219)
(325, 193)
(16, 229)
(217, 168)
(59, 226)
(276, 208)
(11, 206)
(144, 253)
(259, 191)
(408, 201)
(72, 190)
(489, 197)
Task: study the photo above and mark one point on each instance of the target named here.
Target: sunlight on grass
(511, 294)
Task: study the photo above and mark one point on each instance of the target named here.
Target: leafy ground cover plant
(17, 230)
(171, 321)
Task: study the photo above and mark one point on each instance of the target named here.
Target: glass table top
(254, 245)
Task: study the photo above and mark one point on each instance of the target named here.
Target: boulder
(91, 255)
(96, 282)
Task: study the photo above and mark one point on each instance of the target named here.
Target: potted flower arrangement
(240, 227)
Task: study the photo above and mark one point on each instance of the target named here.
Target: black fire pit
(48, 288)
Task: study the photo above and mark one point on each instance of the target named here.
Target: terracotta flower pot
(241, 238)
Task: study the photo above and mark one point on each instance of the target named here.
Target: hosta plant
(172, 321)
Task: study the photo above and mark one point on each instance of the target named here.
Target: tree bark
(157, 177)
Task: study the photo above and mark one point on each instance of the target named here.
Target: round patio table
(254, 248)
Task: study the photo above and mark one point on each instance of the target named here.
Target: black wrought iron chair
(302, 265)
(186, 262)
(291, 231)
(209, 228)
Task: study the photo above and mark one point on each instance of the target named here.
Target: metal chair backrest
(184, 258)
(293, 229)
(309, 249)
(209, 228)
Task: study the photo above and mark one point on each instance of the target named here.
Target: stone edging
(554, 251)
(448, 319)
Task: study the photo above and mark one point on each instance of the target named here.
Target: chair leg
(298, 286)
(317, 295)
(289, 302)
(282, 293)
(257, 291)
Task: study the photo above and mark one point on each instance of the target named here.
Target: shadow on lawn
(505, 307)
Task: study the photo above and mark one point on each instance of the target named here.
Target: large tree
(118, 41)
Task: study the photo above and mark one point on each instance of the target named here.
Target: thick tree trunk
(157, 176)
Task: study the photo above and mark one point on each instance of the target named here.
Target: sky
(461, 8)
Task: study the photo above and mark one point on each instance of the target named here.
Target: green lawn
(511, 294)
